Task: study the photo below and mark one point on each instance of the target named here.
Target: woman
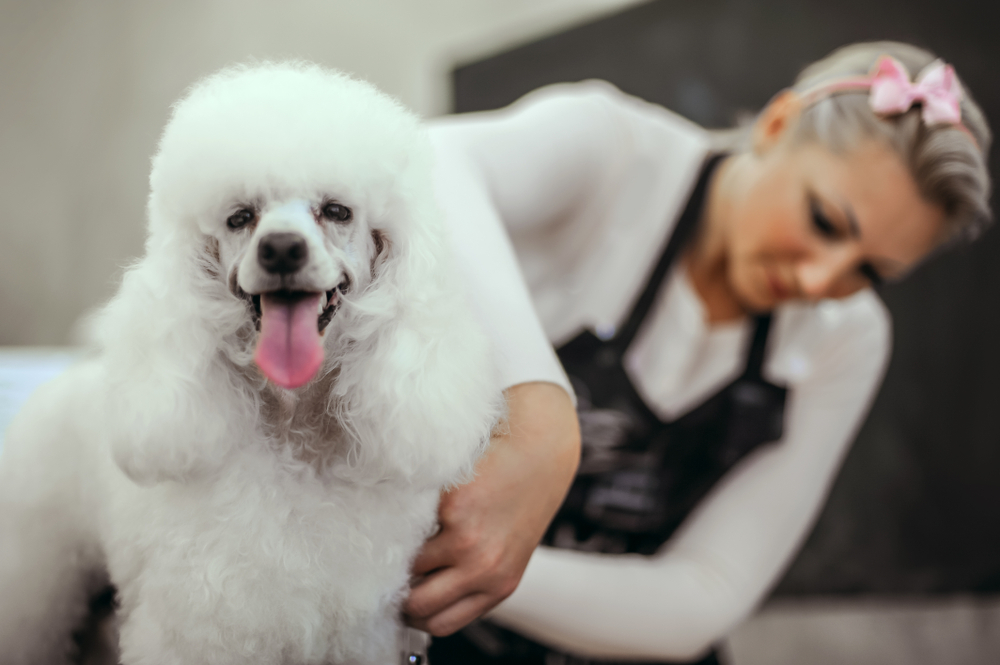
(714, 308)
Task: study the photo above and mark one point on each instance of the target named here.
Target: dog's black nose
(282, 253)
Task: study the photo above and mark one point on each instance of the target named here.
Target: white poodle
(283, 386)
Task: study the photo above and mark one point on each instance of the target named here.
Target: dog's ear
(173, 406)
(212, 258)
(417, 379)
(380, 252)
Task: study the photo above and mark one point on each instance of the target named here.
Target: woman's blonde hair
(948, 166)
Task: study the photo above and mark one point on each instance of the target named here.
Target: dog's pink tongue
(289, 350)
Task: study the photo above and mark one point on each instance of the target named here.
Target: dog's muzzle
(332, 300)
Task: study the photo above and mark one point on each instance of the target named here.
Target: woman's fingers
(436, 553)
(490, 526)
(460, 533)
(474, 566)
(435, 593)
(455, 616)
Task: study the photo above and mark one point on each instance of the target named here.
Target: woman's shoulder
(602, 97)
(592, 92)
(594, 103)
(863, 309)
(838, 335)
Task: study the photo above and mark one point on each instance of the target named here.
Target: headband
(936, 89)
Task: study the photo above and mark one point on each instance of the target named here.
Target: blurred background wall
(85, 88)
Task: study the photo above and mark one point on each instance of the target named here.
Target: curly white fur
(242, 522)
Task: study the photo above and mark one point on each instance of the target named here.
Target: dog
(254, 450)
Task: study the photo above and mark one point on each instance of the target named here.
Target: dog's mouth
(289, 348)
(328, 304)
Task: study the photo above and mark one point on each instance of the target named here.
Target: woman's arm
(536, 161)
(490, 526)
(526, 167)
(711, 575)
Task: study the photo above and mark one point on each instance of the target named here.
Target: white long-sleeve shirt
(559, 206)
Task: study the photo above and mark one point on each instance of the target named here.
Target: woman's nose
(824, 276)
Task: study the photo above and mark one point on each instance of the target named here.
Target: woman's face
(807, 223)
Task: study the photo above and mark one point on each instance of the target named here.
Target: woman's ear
(776, 120)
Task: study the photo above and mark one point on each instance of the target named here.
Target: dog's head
(297, 184)
(292, 211)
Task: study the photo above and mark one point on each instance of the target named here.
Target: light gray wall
(85, 88)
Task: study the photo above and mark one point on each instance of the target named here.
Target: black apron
(639, 477)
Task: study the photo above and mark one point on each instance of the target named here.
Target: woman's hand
(490, 527)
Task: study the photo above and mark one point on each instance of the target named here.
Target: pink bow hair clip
(936, 89)
(891, 93)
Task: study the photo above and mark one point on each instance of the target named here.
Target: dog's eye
(336, 212)
(240, 218)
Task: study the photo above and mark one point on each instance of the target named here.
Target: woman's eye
(820, 221)
(240, 218)
(336, 212)
(868, 270)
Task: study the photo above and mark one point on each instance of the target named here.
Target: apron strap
(758, 347)
(682, 230)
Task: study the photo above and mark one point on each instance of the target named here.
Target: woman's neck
(706, 259)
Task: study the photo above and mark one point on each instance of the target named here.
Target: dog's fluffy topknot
(281, 126)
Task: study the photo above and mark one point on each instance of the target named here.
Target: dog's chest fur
(274, 543)
(305, 425)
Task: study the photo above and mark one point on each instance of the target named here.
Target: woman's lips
(778, 288)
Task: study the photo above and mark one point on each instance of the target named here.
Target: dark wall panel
(917, 506)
